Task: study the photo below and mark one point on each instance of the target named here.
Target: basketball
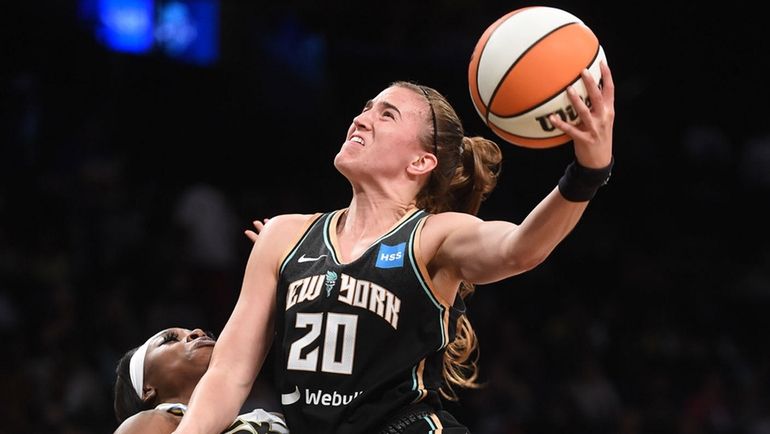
(521, 67)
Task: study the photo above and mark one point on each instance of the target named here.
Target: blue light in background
(126, 25)
(300, 50)
(183, 30)
(188, 30)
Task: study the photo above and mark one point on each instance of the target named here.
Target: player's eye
(169, 336)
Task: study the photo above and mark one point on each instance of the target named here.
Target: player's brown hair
(467, 172)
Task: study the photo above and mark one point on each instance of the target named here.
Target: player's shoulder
(449, 220)
(439, 227)
(291, 219)
(149, 421)
(290, 224)
(283, 231)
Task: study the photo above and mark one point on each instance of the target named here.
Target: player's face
(386, 135)
(177, 357)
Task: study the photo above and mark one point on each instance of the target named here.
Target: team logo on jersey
(371, 296)
(331, 279)
(391, 256)
(306, 289)
(354, 292)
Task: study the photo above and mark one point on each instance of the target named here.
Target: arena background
(128, 178)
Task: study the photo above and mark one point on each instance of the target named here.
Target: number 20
(329, 363)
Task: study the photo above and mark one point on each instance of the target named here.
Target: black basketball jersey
(358, 342)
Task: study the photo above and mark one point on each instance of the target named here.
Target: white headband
(136, 366)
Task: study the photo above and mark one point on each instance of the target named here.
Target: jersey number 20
(337, 356)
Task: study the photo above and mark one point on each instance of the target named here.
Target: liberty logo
(331, 279)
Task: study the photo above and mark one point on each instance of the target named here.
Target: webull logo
(334, 399)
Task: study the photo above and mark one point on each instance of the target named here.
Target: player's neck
(365, 220)
(358, 228)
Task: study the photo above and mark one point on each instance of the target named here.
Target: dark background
(127, 182)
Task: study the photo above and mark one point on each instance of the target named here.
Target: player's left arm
(483, 252)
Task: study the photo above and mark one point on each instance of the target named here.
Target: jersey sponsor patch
(391, 256)
(334, 399)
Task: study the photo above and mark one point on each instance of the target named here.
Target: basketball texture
(521, 67)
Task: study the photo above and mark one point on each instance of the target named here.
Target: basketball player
(366, 302)
(155, 380)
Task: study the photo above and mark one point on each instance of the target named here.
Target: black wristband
(580, 183)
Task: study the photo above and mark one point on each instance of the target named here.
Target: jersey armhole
(422, 267)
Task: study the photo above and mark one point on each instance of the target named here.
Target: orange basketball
(521, 68)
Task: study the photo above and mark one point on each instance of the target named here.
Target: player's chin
(343, 162)
(202, 355)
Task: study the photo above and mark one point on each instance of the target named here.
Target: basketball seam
(516, 62)
(481, 53)
(499, 83)
(519, 135)
(593, 59)
(537, 140)
(596, 54)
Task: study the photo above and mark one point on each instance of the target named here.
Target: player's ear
(424, 163)
(149, 393)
